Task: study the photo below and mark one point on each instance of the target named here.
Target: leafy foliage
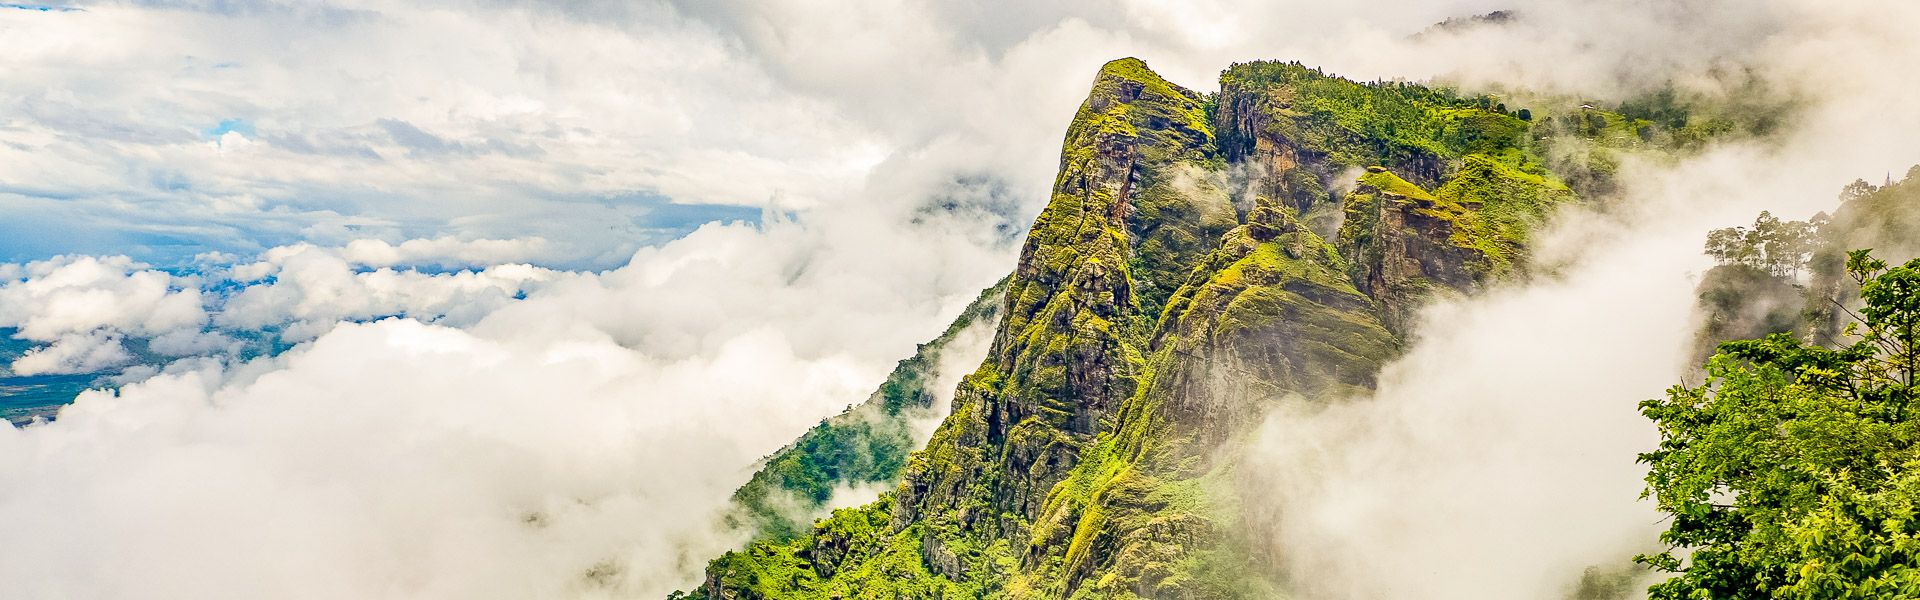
(1883, 217)
(1790, 472)
(1502, 205)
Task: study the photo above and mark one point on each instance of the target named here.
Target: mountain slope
(1179, 283)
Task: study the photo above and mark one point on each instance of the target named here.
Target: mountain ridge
(1173, 290)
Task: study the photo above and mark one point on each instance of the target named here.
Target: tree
(1856, 190)
(1781, 248)
(1729, 245)
(1793, 471)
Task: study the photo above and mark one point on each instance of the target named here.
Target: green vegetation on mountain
(1303, 130)
(1395, 124)
(1885, 218)
(1201, 258)
(1494, 207)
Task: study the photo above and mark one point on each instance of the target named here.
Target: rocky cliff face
(1406, 244)
(1149, 323)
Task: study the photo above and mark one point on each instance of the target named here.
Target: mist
(1497, 458)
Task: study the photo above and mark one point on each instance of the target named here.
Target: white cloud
(358, 115)
(317, 287)
(74, 353)
(398, 459)
(616, 411)
(444, 250)
(77, 294)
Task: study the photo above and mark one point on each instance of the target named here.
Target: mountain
(1203, 257)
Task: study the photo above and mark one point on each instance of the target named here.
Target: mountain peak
(1132, 78)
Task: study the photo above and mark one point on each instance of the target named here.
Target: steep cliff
(1407, 244)
(1179, 283)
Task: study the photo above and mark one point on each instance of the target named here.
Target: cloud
(317, 292)
(89, 352)
(446, 465)
(576, 439)
(358, 113)
(312, 288)
(79, 310)
(442, 251)
(77, 294)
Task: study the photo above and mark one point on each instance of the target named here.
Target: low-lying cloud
(579, 441)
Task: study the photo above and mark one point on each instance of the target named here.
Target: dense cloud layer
(531, 431)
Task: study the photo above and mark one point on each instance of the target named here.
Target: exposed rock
(939, 558)
(1404, 244)
(1399, 237)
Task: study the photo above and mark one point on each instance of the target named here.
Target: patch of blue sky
(591, 233)
(240, 126)
(37, 228)
(684, 218)
(41, 7)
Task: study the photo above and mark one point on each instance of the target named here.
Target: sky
(503, 298)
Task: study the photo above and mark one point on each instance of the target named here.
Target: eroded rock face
(1267, 314)
(1404, 245)
(1270, 310)
(1290, 156)
(1400, 238)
